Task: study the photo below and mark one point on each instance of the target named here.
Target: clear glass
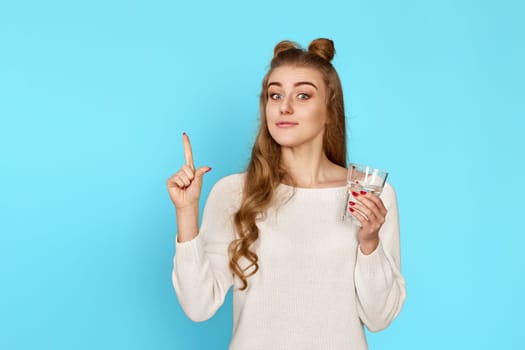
(362, 178)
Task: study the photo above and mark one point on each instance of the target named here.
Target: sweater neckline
(314, 188)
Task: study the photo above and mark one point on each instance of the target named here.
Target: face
(296, 113)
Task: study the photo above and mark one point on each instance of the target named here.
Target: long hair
(265, 171)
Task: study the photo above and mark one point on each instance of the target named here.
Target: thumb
(201, 171)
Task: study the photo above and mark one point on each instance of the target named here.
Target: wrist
(369, 246)
(187, 210)
(187, 223)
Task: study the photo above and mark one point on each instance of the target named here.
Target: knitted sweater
(314, 289)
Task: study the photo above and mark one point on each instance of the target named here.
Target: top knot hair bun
(285, 45)
(323, 48)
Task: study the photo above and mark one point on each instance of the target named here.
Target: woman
(303, 278)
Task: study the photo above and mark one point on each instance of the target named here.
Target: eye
(303, 96)
(275, 96)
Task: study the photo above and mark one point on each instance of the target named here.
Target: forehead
(288, 75)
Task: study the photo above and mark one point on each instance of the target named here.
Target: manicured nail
(183, 134)
(355, 194)
(351, 203)
(362, 192)
(209, 169)
(352, 210)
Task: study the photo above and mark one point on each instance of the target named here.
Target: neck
(309, 167)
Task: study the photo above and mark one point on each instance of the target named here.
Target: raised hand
(184, 187)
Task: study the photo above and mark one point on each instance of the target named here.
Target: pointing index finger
(188, 156)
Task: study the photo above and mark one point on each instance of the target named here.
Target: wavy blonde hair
(265, 171)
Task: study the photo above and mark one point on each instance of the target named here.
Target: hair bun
(323, 48)
(284, 46)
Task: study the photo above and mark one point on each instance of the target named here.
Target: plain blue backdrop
(94, 97)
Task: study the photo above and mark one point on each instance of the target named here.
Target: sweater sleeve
(201, 276)
(379, 283)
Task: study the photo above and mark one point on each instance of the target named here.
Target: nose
(286, 106)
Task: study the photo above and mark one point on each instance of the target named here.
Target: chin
(282, 140)
(287, 142)
(290, 140)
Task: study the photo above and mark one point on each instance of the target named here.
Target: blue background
(94, 97)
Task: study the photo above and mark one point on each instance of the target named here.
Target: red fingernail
(362, 192)
(352, 210)
(355, 194)
(351, 203)
(209, 169)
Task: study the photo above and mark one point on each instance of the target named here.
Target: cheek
(269, 116)
(271, 109)
(323, 113)
(317, 116)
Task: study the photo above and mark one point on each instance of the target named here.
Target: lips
(285, 124)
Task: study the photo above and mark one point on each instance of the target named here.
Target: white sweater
(314, 289)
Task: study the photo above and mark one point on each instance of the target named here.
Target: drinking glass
(362, 178)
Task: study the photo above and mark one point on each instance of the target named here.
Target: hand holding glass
(362, 178)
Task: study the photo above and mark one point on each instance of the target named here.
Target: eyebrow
(296, 84)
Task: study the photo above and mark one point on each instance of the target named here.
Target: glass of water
(362, 178)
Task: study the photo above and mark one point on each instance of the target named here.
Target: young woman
(302, 277)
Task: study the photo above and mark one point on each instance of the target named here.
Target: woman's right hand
(184, 187)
